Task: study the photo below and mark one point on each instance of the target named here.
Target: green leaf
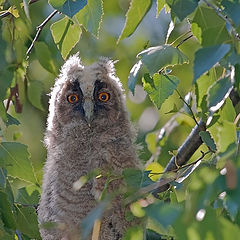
(23, 197)
(160, 5)
(197, 32)
(152, 235)
(202, 85)
(3, 175)
(34, 92)
(156, 58)
(133, 76)
(91, 16)
(151, 140)
(6, 211)
(182, 8)
(11, 120)
(135, 14)
(68, 7)
(15, 158)
(27, 222)
(208, 140)
(136, 178)
(44, 57)
(3, 113)
(5, 82)
(213, 28)
(207, 57)
(218, 93)
(227, 135)
(132, 233)
(65, 34)
(232, 9)
(164, 87)
(164, 213)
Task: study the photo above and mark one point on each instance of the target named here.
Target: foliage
(197, 42)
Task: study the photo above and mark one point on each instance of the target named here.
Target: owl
(88, 128)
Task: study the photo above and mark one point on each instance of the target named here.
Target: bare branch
(8, 13)
(39, 29)
(185, 152)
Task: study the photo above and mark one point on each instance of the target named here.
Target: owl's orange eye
(72, 98)
(103, 96)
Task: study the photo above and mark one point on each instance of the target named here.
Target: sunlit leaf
(207, 57)
(182, 8)
(133, 76)
(218, 93)
(156, 170)
(164, 87)
(160, 5)
(156, 58)
(15, 158)
(135, 14)
(34, 92)
(91, 16)
(65, 34)
(151, 140)
(68, 7)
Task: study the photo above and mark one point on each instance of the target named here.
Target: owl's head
(86, 96)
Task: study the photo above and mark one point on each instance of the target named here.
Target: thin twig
(188, 106)
(39, 29)
(225, 18)
(183, 166)
(184, 40)
(5, 14)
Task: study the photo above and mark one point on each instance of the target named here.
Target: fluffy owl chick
(88, 128)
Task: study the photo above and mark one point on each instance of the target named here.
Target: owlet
(88, 128)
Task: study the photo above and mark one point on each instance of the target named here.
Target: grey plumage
(86, 130)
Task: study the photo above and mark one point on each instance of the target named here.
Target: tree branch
(39, 29)
(185, 152)
(5, 14)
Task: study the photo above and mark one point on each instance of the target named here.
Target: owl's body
(88, 128)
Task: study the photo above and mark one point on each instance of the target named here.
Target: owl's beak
(88, 107)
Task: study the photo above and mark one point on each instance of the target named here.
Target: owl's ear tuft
(72, 67)
(107, 65)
